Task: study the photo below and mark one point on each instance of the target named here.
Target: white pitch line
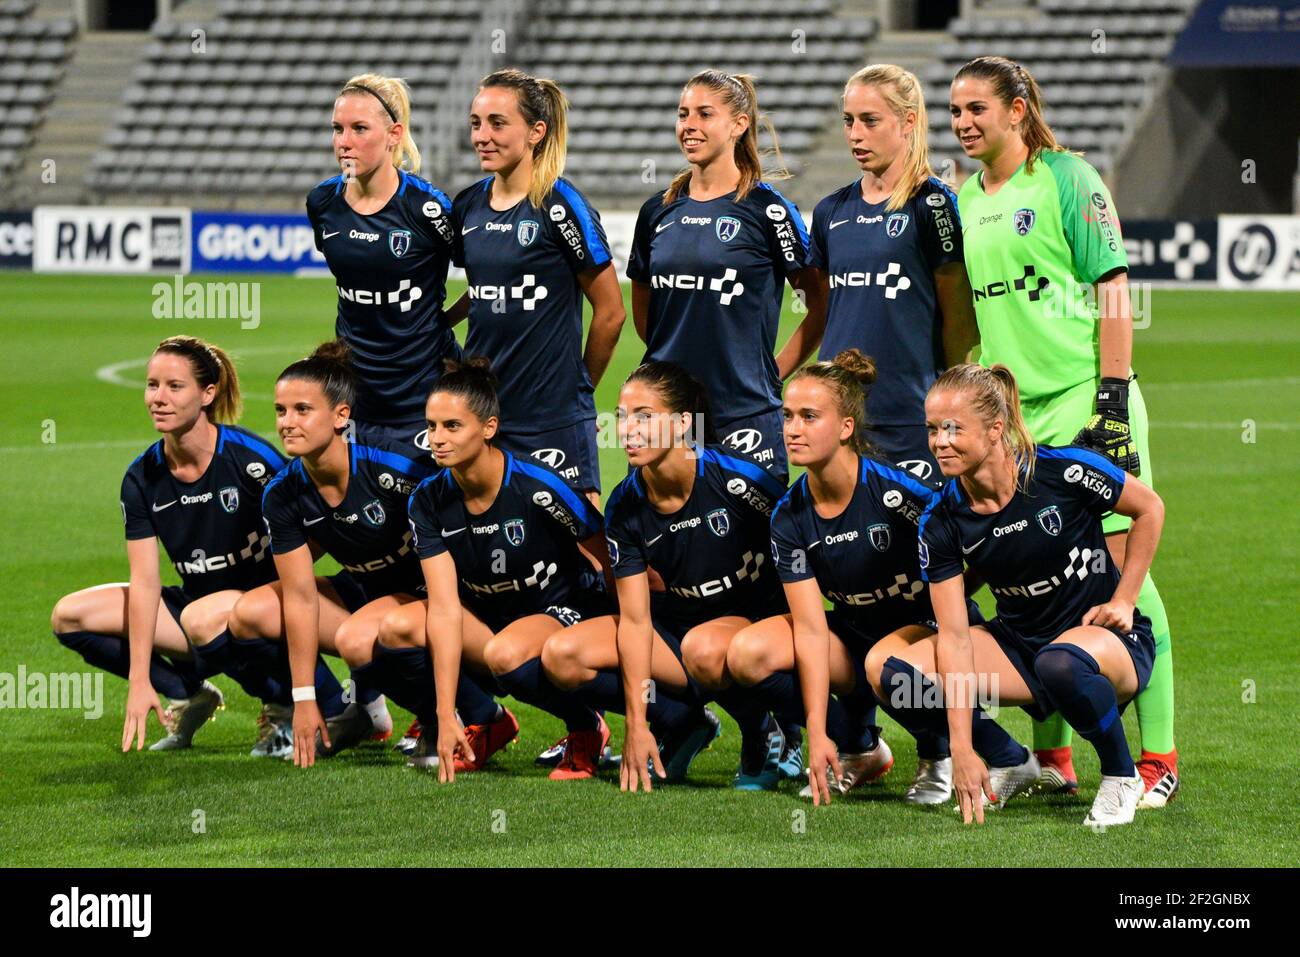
(77, 446)
(112, 373)
(1234, 426)
(1221, 383)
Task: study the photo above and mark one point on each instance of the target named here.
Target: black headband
(387, 109)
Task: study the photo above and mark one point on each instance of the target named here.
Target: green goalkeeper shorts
(1057, 419)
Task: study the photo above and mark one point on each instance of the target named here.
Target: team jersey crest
(1050, 520)
(879, 536)
(726, 228)
(527, 232)
(374, 512)
(515, 531)
(230, 499)
(895, 224)
(719, 522)
(399, 241)
(1024, 221)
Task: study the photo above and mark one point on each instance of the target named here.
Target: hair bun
(857, 364)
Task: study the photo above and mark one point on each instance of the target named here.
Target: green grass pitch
(1220, 374)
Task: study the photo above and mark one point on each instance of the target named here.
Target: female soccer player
(386, 235)
(700, 518)
(198, 490)
(1050, 277)
(710, 257)
(845, 531)
(348, 499)
(1068, 637)
(504, 545)
(532, 247)
(890, 243)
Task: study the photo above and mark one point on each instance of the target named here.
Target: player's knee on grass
(561, 661)
(749, 657)
(704, 652)
(202, 624)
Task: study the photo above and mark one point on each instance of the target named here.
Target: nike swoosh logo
(814, 544)
(967, 551)
(651, 541)
(662, 226)
(328, 235)
(466, 230)
(447, 533)
(840, 223)
(159, 508)
(313, 521)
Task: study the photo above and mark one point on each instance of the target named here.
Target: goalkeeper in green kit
(1040, 232)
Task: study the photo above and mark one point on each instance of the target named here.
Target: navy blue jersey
(1043, 556)
(391, 271)
(525, 310)
(865, 558)
(712, 552)
(521, 555)
(882, 295)
(211, 528)
(367, 533)
(717, 271)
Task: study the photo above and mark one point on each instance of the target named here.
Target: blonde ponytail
(393, 98)
(902, 93)
(994, 396)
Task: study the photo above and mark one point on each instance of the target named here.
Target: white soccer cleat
(274, 732)
(1006, 783)
(1160, 780)
(424, 756)
(1116, 801)
(933, 782)
(185, 716)
(867, 767)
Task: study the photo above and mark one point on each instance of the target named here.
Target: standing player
(845, 531)
(710, 258)
(532, 247)
(1067, 636)
(700, 518)
(386, 235)
(890, 244)
(348, 499)
(504, 545)
(198, 490)
(1050, 277)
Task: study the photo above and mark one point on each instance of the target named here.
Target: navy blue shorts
(858, 640)
(570, 451)
(1140, 644)
(908, 447)
(174, 599)
(672, 630)
(355, 593)
(759, 438)
(581, 608)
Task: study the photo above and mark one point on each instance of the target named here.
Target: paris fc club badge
(1050, 520)
(879, 536)
(1023, 221)
(399, 241)
(374, 512)
(527, 232)
(727, 228)
(895, 224)
(230, 499)
(515, 531)
(719, 522)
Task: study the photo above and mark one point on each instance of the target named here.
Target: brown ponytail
(329, 368)
(211, 366)
(472, 380)
(848, 376)
(741, 97)
(1011, 80)
(994, 396)
(540, 100)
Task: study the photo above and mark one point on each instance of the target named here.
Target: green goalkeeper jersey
(1033, 251)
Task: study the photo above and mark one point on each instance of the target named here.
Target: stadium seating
(32, 58)
(1095, 61)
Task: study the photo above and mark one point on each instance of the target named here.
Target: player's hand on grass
(822, 754)
(307, 723)
(140, 700)
(1114, 614)
(970, 779)
(639, 750)
(451, 741)
(1108, 430)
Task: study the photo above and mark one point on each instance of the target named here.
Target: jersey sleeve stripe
(899, 476)
(261, 448)
(391, 459)
(577, 505)
(748, 469)
(599, 249)
(1086, 457)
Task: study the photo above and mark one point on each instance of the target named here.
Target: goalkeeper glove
(1108, 431)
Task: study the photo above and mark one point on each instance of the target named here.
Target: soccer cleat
(583, 751)
(760, 762)
(406, 745)
(1006, 783)
(424, 753)
(933, 782)
(346, 730)
(185, 716)
(1116, 801)
(486, 740)
(791, 763)
(1159, 777)
(866, 767)
(552, 755)
(1058, 775)
(274, 732)
(381, 729)
(680, 746)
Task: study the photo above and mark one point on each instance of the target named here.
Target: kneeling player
(700, 519)
(1067, 637)
(504, 545)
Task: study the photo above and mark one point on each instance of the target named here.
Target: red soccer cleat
(486, 740)
(582, 751)
(1058, 775)
(1159, 778)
